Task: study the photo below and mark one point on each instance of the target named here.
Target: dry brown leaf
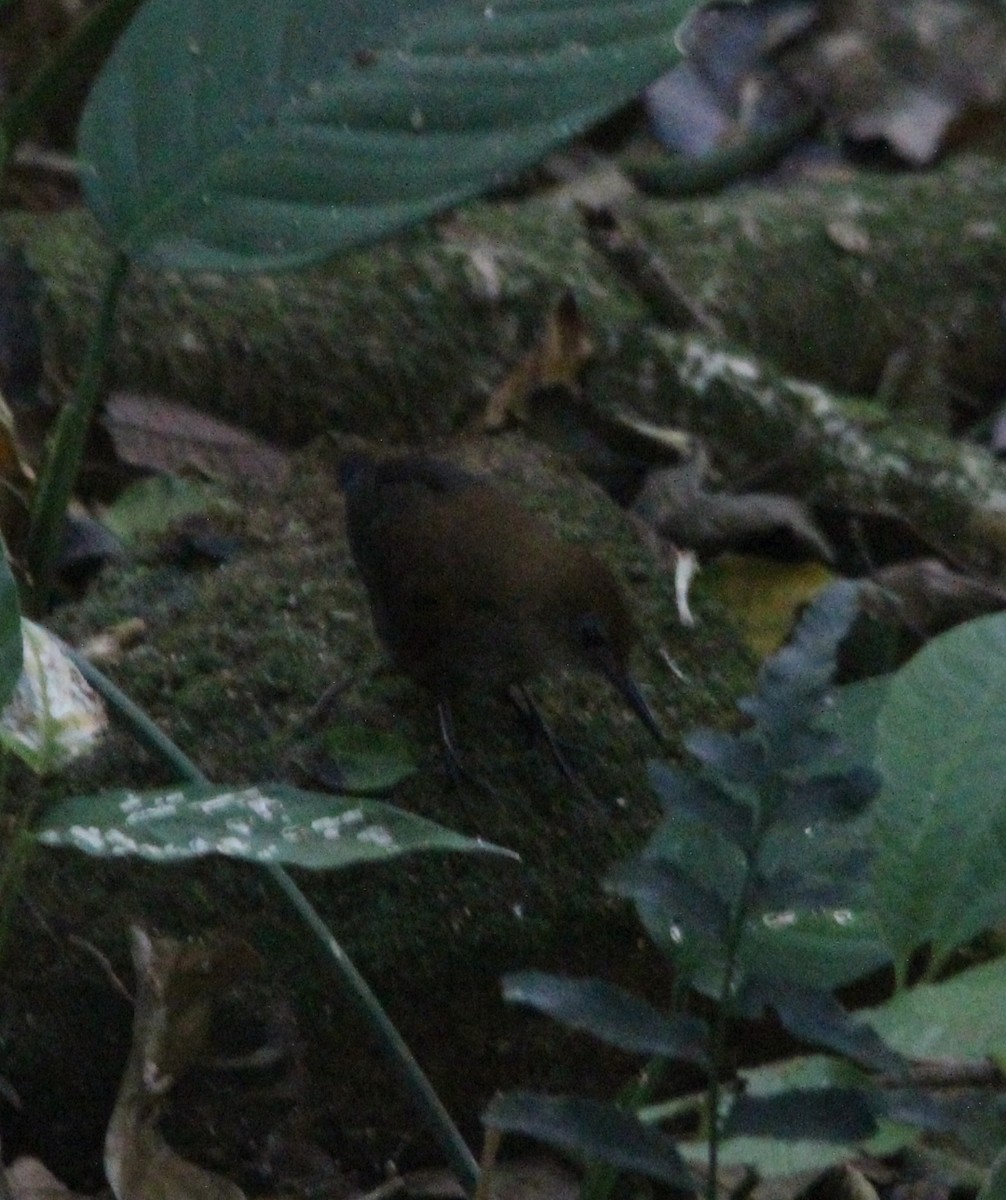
(918, 76)
(555, 360)
(176, 984)
(765, 596)
(29, 1179)
(162, 435)
(108, 645)
(678, 506)
(927, 597)
(907, 72)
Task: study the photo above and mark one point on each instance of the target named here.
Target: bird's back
(457, 573)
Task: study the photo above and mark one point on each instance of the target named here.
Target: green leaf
(688, 794)
(593, 1130)
(816, 1017)
(729, 756)
(962, 1017)
(940, 823)
(836, 797)
(793, 683)
(824, 945)
(817, 1114)
(366, 760)
(611, 1014)
(825, 948)
(247, 134)
(773, 1157)
(853, 715)
(151, 505)
(678, 899)
(269, 823)
(65, 68)
(11, 642)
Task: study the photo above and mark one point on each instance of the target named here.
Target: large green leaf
(941, 818)
(270, 823)
(963, 1017)
(255, 134)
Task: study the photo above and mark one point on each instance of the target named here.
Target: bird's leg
(445, 722)
(525, 705)
(455, 766)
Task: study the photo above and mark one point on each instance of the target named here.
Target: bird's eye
(591, 633)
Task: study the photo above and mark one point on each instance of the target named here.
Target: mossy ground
(233, 659)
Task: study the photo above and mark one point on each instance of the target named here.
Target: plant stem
(409, 1073)
(66, 450)
(724, 1012)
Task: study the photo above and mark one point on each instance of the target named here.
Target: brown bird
(470, 591)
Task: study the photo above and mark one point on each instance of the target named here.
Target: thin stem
(723, 1014)
(409, 1073)
(66, 451)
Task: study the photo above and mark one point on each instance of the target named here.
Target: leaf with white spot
(266, 823)
(53, 716)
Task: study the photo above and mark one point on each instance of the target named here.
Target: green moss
(234, 660)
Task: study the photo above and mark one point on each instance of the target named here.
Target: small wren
(470, 591)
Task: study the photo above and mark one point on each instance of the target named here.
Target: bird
(471, 592)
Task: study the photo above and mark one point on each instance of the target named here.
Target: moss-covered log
(885, 287)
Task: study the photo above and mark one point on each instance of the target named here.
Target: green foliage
(590, 1129)
(760, 832)
(759, 870)
(255, 135)
(252, 136)
(11, 641)
(149, 507)
(958, 1018)
(940, 830)
(367, 760)
(270, 823)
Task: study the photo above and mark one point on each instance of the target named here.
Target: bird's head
(593, 628)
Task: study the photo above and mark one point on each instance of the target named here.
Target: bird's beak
(632, 694)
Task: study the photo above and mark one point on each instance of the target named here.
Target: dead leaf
(926, 597)
(176, 984)
(675, 502)
(29, 1179)
(906, 72)
(108, 645)
(54, 715)
(163, 435)
(765, 596)
(555, 360)
(918, 76)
